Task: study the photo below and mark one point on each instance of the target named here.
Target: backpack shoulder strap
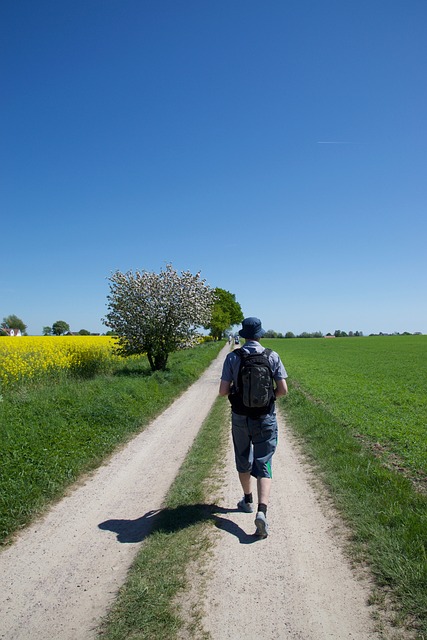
(241, 353)
(245, 354)
(267, 353)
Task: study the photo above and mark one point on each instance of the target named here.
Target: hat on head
(251, 329)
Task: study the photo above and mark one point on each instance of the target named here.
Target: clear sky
(278, 147)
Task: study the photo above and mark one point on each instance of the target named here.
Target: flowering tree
(157, 313)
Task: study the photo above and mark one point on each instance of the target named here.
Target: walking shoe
(261, 525)
(245, 506)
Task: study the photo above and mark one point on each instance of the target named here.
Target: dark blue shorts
(255, 441)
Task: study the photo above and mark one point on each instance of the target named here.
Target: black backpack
(254, 395)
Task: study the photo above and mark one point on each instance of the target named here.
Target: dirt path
(62, 573)
(296, 584)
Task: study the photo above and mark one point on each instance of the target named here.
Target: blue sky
(278, 147)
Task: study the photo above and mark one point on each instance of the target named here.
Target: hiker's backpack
(254, 395)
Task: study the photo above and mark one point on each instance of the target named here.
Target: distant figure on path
(247, 378)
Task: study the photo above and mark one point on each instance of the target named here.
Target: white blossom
(157, 313)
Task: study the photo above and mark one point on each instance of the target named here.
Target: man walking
(254, 425)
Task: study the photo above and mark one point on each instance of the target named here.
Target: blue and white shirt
(230, 369)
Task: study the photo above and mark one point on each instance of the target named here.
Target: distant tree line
(314, 334)
(337, 334)
(62, 328)
(59, 328)
(226, 312)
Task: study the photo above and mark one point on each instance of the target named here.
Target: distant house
(12, 332)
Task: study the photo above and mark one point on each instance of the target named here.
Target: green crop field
(376, 387)
(359, 408)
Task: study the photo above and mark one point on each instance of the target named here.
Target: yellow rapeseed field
(31, 357)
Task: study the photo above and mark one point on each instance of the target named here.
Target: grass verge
(52, 433)
(387, 517)
(145, 608)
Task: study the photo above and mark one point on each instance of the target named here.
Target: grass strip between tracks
(386, 514)
(146, 606)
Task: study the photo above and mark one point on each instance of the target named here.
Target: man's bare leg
(264, 487)
(245, 481)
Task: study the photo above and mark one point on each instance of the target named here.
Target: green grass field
(376, 387)
(358, 407)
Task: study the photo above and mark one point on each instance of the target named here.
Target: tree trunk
(157, 361)
(151, 361)
(160, 361)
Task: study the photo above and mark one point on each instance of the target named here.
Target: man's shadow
(168, 520)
